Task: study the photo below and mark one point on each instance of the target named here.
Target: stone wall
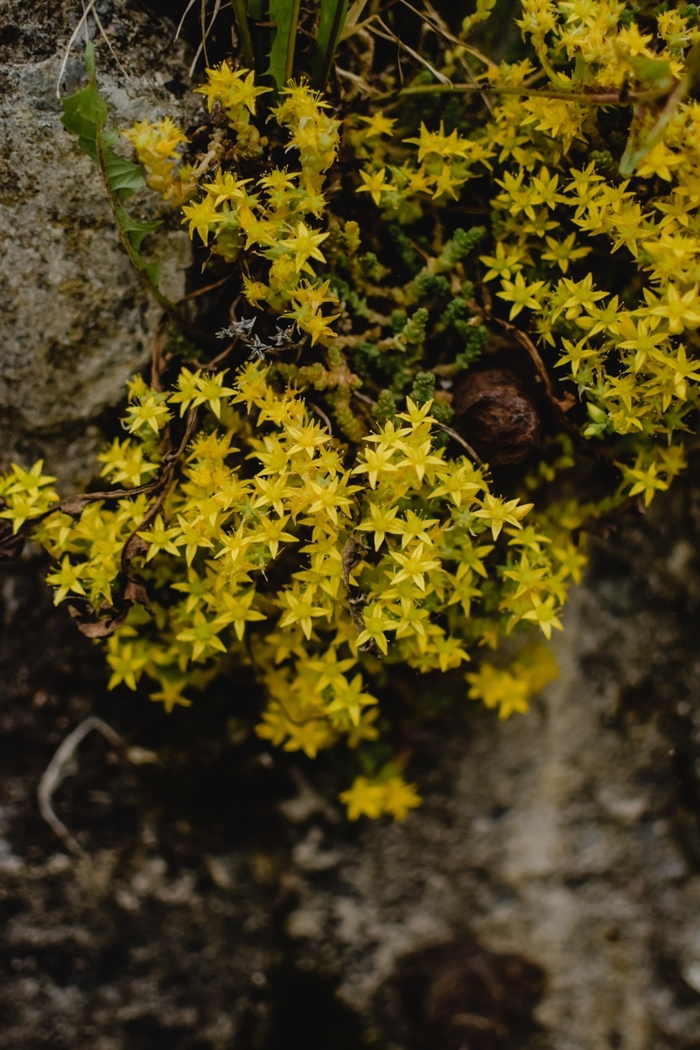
(76, 322)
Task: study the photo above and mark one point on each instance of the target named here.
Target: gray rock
(76, 321)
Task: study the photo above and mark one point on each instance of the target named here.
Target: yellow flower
(230, 87)
(377, 622)
(399, 798)
(378, 124)
(300, 609)
(304, 244)
(521, 295)
(679, 310)
(373, 184)
(255, 291)
(161, 538)
(439, 143)
(202, 217)
(499, 512)
(226, 187)
(544, 614)
(364, 799)
(66, 579)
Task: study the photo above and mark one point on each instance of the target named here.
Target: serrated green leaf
(135, 229)
(85, 112)
(123, 175)
(85, 115)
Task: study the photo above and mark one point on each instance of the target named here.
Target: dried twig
(465, 445)
(386, 34)
(57, 771)
(89, 9)
(319, 412)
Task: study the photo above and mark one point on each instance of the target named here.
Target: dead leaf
(100, 628)
(135, 591)
(134, 546)
(353, 553)
(75, 505)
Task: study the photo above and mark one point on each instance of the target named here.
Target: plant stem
(600, 98)
(241, 15)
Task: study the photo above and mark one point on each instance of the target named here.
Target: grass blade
(330, 25)
(240, 12)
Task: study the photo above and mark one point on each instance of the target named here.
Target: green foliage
(285, 16)
(423, 388)
(332, 15)
(310, 504)
(85, 115)
(269, 32)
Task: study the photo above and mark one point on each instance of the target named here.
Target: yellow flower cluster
(273, 222)
(385, 794)
(25, 494)
(510, 689)
(157, 148)
(629, 349)
(444, 164)
(382, 556)
(321, 520)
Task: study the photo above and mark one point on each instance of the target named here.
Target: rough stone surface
(161, 934)
(223, 900)
(76, 321)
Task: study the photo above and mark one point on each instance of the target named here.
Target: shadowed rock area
(545, 896)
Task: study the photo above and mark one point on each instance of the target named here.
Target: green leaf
(652, 73)
(123, 175)
(330, 25)
(649, 121)
(651, 118)
(240, 13)
(136, 230)
(85, 112)
(85, 115)
(285, 16)
(152, 270)
(89, 60)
